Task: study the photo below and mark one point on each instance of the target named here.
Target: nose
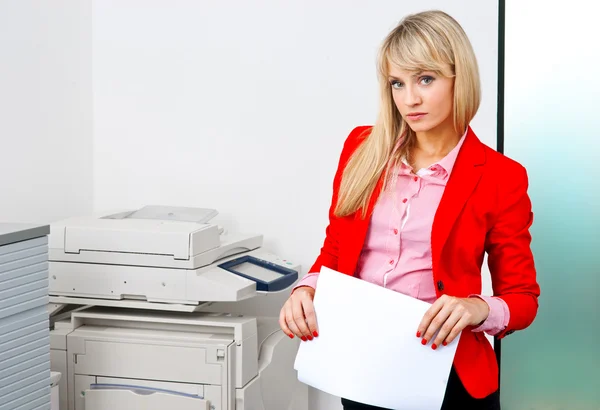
(412, 96)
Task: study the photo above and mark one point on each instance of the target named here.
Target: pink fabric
(397, 249)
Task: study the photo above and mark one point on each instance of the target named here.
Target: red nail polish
(304, 339)
(315, 334)
(291, 336)
(418, 334)
(310, 338)
(434, 346)
(445, 343)
(423, 342)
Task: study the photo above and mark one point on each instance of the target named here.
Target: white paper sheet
(367, 349)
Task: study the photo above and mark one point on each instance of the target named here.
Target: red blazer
(484, 208)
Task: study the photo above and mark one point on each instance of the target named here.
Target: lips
(416, 115)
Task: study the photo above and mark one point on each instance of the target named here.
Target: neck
(437, 143)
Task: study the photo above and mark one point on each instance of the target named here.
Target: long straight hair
(427, 41)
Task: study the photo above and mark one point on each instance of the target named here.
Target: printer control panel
(270, 272)
(269, 257)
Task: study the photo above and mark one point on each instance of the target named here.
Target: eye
(426, 80)
(396, 84)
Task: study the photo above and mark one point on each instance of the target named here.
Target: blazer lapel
(466, 173)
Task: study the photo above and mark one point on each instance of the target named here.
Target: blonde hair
(427, 41)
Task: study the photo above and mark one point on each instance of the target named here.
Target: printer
(159, 308)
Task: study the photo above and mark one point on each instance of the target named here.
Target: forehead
(395, 71)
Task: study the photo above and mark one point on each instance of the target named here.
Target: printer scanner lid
(150, 230)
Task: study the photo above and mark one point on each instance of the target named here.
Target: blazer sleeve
(330, 250)
(510, 258)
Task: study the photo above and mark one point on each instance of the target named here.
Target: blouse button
(395, 232)
(404, 200)
(391, 261)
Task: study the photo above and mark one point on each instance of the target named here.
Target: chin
(425, 126)
(420, 127)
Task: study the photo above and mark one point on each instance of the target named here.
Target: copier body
(178, 326)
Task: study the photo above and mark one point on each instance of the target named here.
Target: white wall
(45, 110)
(244, 106)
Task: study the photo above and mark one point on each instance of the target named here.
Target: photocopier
(158, 308)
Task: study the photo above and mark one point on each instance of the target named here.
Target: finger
(446, 328)
(283, 325)
(430, 314)
(300, 320)
(309, 314)
(456, 330)
(437, 322)
(291, 323)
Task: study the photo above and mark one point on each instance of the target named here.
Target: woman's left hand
(450, 316)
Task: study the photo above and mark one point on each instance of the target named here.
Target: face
(424, 99)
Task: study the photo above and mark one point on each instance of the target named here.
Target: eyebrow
(412, 76)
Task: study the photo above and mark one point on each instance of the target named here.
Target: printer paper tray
(131, 304)
(126, 400)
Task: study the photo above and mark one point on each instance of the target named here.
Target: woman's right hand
(297, 316)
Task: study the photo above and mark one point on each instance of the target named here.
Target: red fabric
(484, 208)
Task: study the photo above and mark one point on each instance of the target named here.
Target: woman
(418, 200)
